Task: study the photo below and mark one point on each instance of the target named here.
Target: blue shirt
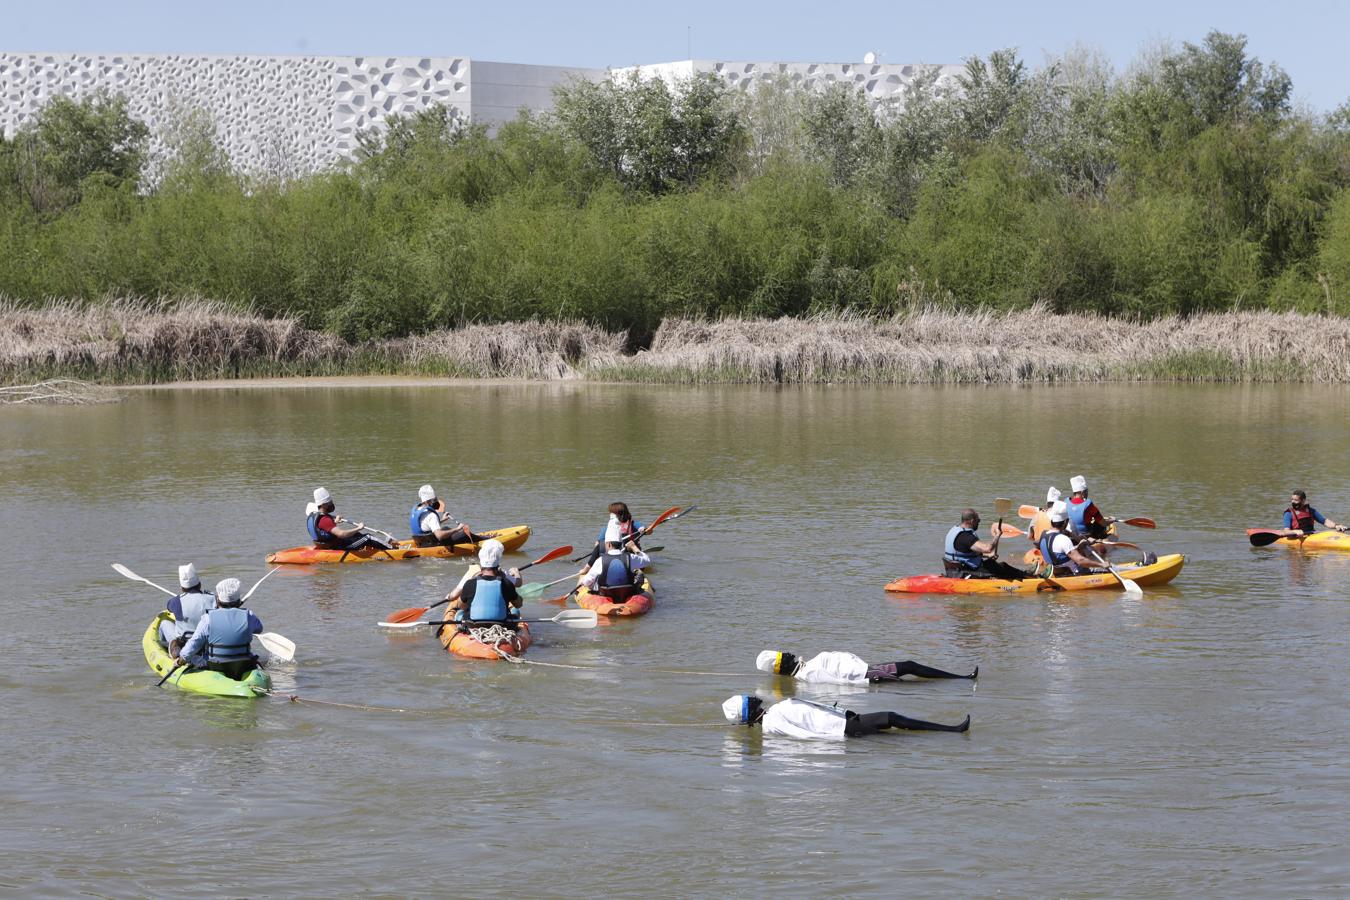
(192, 650)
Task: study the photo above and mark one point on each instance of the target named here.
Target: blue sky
(1306, 37)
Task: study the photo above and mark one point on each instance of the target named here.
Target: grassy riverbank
(134, 342)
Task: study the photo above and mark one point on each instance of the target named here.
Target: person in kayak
(1303, 518)
(428, 519)
(1041, 520)
(966, 556)
(1060, 552)
(804, 719)
(187, 607)
(834, 667)
(488, 594)
(618, 573)
(1085, 519)
(628, 528)
(221, 641)
(325, 531)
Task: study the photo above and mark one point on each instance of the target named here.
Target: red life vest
(1303, 519)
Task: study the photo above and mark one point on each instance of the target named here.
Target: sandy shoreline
(329, 381)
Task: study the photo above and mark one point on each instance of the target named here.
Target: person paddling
(1041, 520)
(966, 556)
(427, 521)
(488, 594)
(221, 641)
(618, 573)
(187, 607)
(834, 667)
(1302, 518)
(1085, 519)
(628, 528)
(1060, 552)
(803, 719)
(325, 531)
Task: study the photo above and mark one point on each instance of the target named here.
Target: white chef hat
(1059, 512)
(426, 492)
(187, 576)
(1078, 484)
(613, 531)
(1052, 495)
(321, 496)
(227, 592)
(490, 553)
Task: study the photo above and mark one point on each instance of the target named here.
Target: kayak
(461, 644)
(512, 538)
(1160, 572)
(1318, 540)
(636, 605)
(201, 681)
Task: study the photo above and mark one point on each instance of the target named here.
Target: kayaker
(834, 667)
(187, 608)
(1061, 551)
(618, 573)
(1303, 518)
(428, 519)
(325, 531)
(485, 591)
(628, 527)
(1085, 519)
(804, 719)
(221, 641)
(1041, 520)
(966, 556)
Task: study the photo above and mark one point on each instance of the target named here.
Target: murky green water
(1192, 743)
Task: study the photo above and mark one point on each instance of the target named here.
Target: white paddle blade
(418, 624)
(577, 618)
(277, 645)
(127, 573)
(1132, 589)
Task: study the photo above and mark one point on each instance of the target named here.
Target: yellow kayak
(1160, 572)
(1318, 540)
(512, 538)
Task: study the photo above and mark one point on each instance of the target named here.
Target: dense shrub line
(1187, 185)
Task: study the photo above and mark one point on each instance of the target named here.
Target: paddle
(570, 618)
(416, 612)
(1140, 522)
(275, 644)
(1266, 538)
(531, 591)
(1130, 587)
(562, 601)
(672, 513)
(366, 529)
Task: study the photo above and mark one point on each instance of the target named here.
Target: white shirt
(431, 521)
(833, 667)
(636, 561)
(1061, 543)
(799, 719)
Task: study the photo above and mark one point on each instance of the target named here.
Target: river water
(1192, 742)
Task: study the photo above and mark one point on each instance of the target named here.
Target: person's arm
(513, 577)
(512, 598)
(255, 625)
(458, 589)
(175, 606)
(194, 644)
(589, 576)
(1082, 558)
(636, 558)
(344, 531)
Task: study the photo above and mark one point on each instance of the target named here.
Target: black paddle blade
(1264, 538)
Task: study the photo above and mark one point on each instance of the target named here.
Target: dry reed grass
(129, 340)
(942, 346)
(57, 391)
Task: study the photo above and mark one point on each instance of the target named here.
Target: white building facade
(299, 114)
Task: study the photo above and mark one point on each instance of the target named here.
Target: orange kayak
(1160, 572)
(462, 644)
(512, 538)
(636, 605)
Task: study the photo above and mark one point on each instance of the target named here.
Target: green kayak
(201, 681)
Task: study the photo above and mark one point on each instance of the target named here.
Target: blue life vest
(1076, 513)
(316, 534)
(415, 521)
(616, 571)
(228, 635)
(192, 604)
(1055, 559)
(969, 560)
(488, 603)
